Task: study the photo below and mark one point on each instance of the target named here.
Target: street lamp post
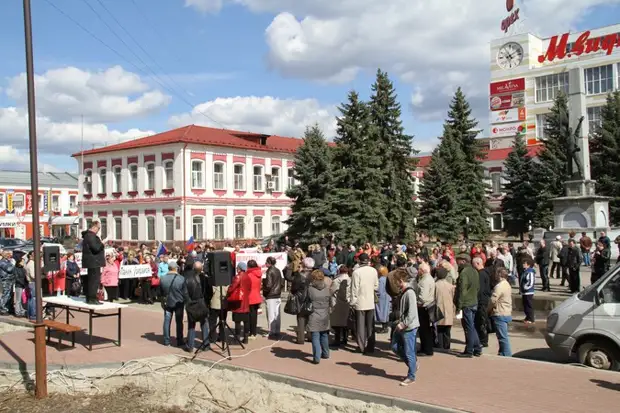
(39, 328)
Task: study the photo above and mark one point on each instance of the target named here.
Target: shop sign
(508, 115)
(507, 86)
(510, 20)
(29, 202)
(512, 100)
(10, 209)
(46, 201)
(508, 129)
(558, 46)
(8, 224)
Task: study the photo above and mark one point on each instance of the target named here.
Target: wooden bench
(63, 328)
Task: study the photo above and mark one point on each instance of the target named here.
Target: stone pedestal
(581, 209)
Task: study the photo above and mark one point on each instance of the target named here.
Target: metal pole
(39, 329)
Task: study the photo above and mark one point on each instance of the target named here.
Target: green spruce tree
(474, 190)
(441, 213)
(359, 176)
(605, 155)
(313, 212)
(396, 149)
(519, 203)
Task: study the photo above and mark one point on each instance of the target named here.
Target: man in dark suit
(93, 258)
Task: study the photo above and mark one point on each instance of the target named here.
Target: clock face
(510, 55)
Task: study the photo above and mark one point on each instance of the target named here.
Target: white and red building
(212, 184)
(58, 204)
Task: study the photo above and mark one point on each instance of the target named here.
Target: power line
(119, 54)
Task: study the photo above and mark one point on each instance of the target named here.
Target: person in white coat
(361, 297)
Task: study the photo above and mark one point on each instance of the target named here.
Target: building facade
(58, 204)
(212, 184)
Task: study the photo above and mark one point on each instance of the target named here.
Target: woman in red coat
(238, 299)
(256, 277)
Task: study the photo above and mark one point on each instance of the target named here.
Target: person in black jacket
(601, 261)
(481, 320)
(21, 283)
(93, 258)
(542, 259)
(195, 305)
(272, 291)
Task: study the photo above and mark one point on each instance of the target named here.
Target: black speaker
(51, 258)
(221, 267)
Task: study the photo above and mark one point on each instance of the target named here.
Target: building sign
(558, 46)
(28, 202)
(508, 115)
(8, 224)
(507, 86)
(513, 100)
(508, 129)
(510, 20)
(10, 209)
(46, 201)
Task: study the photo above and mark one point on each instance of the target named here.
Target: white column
(249, 173)
(141, 175)
(126, 226)
(111, 226)
(160, 225)
(210, 234)
(209, 174)
(229, 233)
(142, 224)
(228, 178)
(249, 219)
(159, 174)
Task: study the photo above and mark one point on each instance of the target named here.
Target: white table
(79, 305)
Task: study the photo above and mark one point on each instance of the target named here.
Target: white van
(588, 324)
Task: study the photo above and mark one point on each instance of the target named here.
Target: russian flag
(190, 244)
(161, 250)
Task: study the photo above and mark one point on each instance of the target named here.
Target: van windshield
(593, 287)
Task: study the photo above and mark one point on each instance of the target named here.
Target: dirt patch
(9, 328)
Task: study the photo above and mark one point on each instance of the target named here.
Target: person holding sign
(93, 258)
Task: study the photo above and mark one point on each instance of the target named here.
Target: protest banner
(261, 258)
(135, 271)
(78, 259)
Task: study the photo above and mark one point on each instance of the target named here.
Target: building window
(133, 178)
(239, 227)
(547, 87)
(198, 228)
(56, 203)
(169, 225)
(88, 182)
(218, 228)
(103, 175)
(169, 174)
(275, 225)
(541, 124)
(150, 228)
(134, 227)
(497, 222)
(18, 201)
(496, 183)
(291, 178)
(117, 172)
(197, 174)
(150, 176)
(275, 178)
(72, 201)
(104, 228)
(594, 118)
(258, 178)
(239, 177)
(258, 227)
(118, 228)
(218, 176)
(599, 79)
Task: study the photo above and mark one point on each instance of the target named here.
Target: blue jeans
(191, 332)
(501, 331)
(403, 344)
(32, 302)
(472, 341)
(586, 257)
(320, 345)
(178, 319)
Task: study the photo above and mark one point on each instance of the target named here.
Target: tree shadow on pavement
(368, 370)
(606, 384)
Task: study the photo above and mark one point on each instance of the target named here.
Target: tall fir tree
(605, 155)
(358, 173)
(313, 212)
(397, 151)
(441, 213)
(551, 171)
(474, 190)
(519, 203)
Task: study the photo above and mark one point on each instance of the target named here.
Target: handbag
(306, 307)
(197, 309)
(434, 313)
(292, 305)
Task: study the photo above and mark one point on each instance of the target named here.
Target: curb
(16, 322)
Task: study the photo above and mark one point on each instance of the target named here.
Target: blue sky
(305, 55)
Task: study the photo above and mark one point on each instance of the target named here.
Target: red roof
(491, 155)
(207, 136)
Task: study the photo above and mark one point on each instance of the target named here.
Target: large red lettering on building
(558, 46)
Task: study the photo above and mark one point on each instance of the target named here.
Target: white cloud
(205, 6)
(13, 159)
(109, 95)
(286, 117)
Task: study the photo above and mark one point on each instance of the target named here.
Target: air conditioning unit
(271, 186)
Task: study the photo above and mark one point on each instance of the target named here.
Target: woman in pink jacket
(109, 278)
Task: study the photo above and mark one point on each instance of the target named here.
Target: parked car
(11, 243)
(588, 324)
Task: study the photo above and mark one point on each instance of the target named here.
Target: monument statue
(571, 138)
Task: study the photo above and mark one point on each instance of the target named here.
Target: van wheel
(599, 354)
